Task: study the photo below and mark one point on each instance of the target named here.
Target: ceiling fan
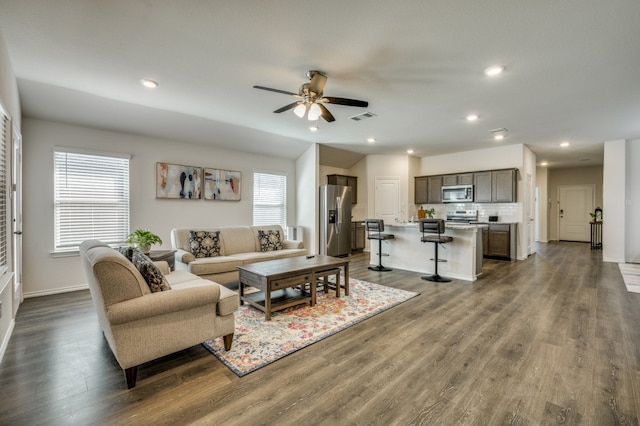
(312, 99)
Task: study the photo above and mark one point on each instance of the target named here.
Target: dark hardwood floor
(554, 339)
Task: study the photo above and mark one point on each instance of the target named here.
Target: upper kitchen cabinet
(503, 186)
(434, 184)
(495, 186)
(460, 179)
(345, 180)
(421, 189)
(482, 187)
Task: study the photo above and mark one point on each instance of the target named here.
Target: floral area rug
(258, 342)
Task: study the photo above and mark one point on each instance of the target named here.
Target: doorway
(387, 198)
(16, 196)
(575, 202)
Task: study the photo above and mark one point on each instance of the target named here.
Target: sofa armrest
(163, 265)
(162, 303)
(184, 256)
(289, 244)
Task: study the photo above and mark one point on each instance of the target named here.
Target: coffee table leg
(267, 302)
(241, 293)
(346, 279)
(314, 289)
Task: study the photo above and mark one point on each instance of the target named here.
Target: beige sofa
(239, 245)
(140, 325)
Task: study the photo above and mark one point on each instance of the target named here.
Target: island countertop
(406, 251)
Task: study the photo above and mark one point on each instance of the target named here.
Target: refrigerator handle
(339, 213)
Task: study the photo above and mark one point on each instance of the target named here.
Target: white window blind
(4, 138)
(91, 199)
(269, 199)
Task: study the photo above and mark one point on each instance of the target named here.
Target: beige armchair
(140, 325)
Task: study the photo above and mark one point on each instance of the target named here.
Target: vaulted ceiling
(571, 71)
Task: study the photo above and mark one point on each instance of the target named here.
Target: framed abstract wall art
(222, 184)
(176, 181)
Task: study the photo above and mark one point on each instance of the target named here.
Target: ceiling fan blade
(284, 92)
(318, 80)
(344, 101)
(326, 114)
(287, 107)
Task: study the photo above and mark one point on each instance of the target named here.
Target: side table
(166, 255)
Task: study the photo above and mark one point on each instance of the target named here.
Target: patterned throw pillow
(126, 251)
(150, 272)
(204, 243)
(270, 240)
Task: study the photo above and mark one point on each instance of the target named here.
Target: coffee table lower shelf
(280, 299)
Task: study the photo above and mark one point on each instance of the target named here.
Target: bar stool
(375, 227)
(434, 226)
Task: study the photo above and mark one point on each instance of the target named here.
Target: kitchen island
(463, 255)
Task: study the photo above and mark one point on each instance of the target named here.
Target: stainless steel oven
(457, 194)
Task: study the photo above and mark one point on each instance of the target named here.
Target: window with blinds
(4, 225)
(91, 198)
(269, 199)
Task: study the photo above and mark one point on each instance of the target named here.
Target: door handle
(17, 233)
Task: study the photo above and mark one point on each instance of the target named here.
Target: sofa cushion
(237, 239)
(214, 265)
(270, 240)
(150, 272)
(253, 257)
(204, 243)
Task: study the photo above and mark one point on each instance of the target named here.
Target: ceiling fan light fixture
(314, 112)
(300, 110)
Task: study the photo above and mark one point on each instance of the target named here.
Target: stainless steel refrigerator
(335, 220)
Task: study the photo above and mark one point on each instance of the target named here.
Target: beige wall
(44, 274)
(570, 176)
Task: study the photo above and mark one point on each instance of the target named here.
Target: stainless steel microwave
(457, 194)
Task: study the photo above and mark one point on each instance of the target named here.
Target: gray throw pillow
(126, 251)
(204, 243)
(270, 240)
(150, 272)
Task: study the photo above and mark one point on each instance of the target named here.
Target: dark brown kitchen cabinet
(345, 180)
(495, 186)
(482, 187)
(503, 186)
(421, 189)
(434, 193)
(358, 236)
(460, 179)
(499, 241)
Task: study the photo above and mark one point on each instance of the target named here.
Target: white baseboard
(6, 338)
(55, 291)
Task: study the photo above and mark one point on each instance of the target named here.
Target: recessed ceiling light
(409, 151)
(565, 144)
(152, 84)
(313, 128)
(494, 70)
(544, 163)
(498, 136)
(472, 117)
(371, 140)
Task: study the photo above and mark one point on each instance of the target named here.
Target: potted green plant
(143, 239)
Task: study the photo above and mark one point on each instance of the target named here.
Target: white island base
(463, 255)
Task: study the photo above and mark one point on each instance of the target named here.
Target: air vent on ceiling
(362, 116)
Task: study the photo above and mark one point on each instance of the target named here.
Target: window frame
(118, 175)
(282, 206)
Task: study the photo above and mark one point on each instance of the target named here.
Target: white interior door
(16, 198)
(575, 202)
(387, 199)
(530, 214)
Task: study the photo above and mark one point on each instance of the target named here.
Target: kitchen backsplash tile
(506, 212)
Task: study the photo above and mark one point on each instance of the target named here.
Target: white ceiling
(572, 70)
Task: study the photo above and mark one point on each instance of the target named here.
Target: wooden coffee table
(276, 278)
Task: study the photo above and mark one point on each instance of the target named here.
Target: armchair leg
(228, 340)
(131, 374)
